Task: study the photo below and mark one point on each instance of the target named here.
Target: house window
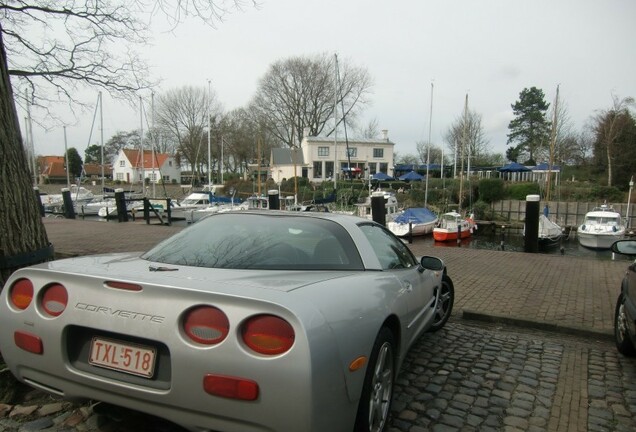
(317, 169)
(122, 163)
(120, 176)
(329, 169)
(378, 152)
(352, 152)
(166, 178)
(384, 167)
(323, 151)
(169, 163)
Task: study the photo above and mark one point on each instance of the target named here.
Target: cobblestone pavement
(466, 377)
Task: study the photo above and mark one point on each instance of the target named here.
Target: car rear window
(237, 240)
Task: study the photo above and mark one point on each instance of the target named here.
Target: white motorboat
(601, 227)
(417, 221)
(54, 203)
(390, 205)
(194, 201)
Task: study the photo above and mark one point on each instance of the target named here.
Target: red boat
(452, 226)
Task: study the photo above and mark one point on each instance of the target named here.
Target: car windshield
(260, 241)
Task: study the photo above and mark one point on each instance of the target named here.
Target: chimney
(385, 134)
(305, 132)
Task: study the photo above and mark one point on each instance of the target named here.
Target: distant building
(131, 166)
(317, 157)
(52, 169)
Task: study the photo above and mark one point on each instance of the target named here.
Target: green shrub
(606, 193)
(491, 190)
(519, 191)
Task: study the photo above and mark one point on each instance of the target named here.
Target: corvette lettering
(121, 313)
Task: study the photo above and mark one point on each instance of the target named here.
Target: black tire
(621, 336)
(444, 307)
(374, 407)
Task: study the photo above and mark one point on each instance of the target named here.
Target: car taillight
(206, 325)
(54, 299)
(21, 293)
(230, 387)
(268, 334)
(28, 342)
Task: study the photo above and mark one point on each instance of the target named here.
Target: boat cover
(416, 215)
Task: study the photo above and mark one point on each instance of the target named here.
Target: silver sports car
(244, 321)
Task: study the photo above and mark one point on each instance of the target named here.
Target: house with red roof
(133, 166)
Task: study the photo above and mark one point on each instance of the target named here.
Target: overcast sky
(488, 49)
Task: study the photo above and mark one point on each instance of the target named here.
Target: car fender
(365, 302)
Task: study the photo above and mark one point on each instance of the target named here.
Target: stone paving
(466, 377)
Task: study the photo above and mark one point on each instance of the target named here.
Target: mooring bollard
(120, 202)
(69, 210)
(378, 210)
(459, 235)
(273, 199)
(38, 200)
(531, 234)
(410, 232)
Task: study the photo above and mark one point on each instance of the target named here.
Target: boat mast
(209, 145)
(335, 127)
(461, 156)
(428, 149)
(101, 128)
(141, 145)
(552, 144)
(68, 177)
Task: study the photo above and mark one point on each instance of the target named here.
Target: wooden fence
(564, 213)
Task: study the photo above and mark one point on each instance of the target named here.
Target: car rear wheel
(375, 403)
(444, 306)
(623, 342)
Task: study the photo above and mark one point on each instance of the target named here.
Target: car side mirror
(432, 263)
(624, 247)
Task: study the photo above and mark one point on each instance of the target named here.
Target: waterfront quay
(528, 347)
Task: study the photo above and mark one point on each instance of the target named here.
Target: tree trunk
(22, 234)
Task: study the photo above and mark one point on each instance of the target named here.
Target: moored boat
(390, 205)
(453, 226)
(550, 233)
(417, 221)
(601, 228)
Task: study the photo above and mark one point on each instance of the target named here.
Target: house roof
(52, 166)
(135, 158)
(96, 169)
(341, 140)
(287, 156)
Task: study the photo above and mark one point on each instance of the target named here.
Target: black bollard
(410, 232)
(273, 199)
(120, 202)
(459, 235)
(169, 211)
(378, 209)
(531, 235)
(38, 200)
(69, 210)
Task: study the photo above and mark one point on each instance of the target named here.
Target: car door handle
(408, 286)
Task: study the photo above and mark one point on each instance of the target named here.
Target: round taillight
(268, 334)
(206, 325)
(54, 299)
(21, 293)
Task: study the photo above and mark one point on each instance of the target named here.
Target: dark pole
(69, 210)
(120, 201)
(273, 199)
(531, 235)
(378, 209)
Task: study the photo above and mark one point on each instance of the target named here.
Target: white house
(317, 157)
(129, 166)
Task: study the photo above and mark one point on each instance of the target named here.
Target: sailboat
(452, 225)
(550, 233)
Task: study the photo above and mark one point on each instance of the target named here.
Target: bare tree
(607, 128)
(182, 113)
(300, 92)
(470, 124)
(429, 154)
(370, 131)
(52, 48)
